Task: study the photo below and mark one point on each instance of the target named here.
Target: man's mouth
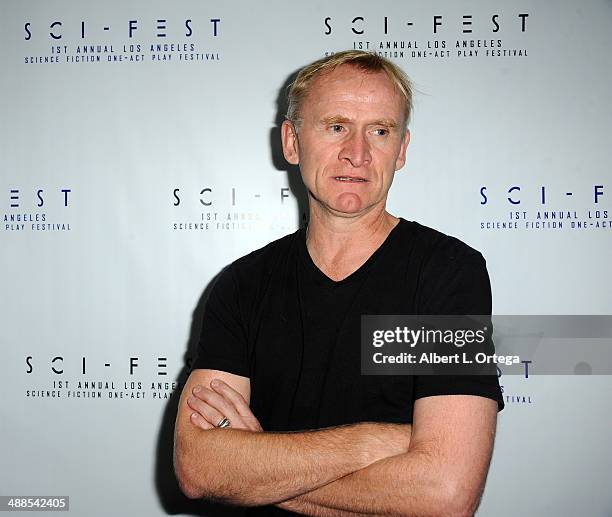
(350, 178)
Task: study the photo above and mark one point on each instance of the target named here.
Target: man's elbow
(197, 481)
(445, 499)
(459, 500)
(189, 489)
(190, 465)
(185, 475)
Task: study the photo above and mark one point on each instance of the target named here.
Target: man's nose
(356, 150)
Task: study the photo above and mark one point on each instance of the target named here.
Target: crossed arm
(437, 467)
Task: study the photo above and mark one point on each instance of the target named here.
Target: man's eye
(336, 128)
(381, 131)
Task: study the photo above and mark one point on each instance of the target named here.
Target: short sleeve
(223, 341)
(458, 284)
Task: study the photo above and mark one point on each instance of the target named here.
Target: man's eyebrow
(391, 124)
(339, 119)
(334, 119)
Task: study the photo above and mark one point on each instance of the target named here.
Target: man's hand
(210, 406)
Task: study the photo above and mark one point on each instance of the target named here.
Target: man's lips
(350, 179)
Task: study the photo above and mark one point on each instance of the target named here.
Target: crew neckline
(322, 278)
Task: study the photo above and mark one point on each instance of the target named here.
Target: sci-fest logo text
(438, 36)
(131, 378)
(38, 210)
(212, 208)
(188, 40)
(543, 207)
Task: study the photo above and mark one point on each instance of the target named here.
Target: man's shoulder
(267, 258)
(247, 277)
(438, 246)
(452, 276)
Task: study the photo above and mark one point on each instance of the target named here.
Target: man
(275, 411)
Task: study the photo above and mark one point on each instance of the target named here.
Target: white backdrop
(131, 174)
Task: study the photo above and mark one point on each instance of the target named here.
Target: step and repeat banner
(140, 154)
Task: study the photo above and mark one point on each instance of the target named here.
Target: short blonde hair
(365, 61)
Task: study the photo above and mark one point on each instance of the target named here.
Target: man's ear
(401, 157)
(290, 142)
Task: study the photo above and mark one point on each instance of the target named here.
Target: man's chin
(350, 210)
(349, 203)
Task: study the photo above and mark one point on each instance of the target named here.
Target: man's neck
(339, 246)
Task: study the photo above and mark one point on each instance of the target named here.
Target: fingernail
(215, 383)
(194, 416)
(190, 400)
(197, 389)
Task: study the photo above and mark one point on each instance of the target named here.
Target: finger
(223, 407)
(241, 405)
(233, 396)
(253, 424)
(199, 421)
(206, 411)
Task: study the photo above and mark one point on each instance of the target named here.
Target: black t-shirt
(274, 317)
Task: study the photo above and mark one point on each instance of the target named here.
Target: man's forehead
(350, 76)
(350, 85)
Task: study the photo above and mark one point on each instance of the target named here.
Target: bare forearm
(374, 490)
(439, 475)
(247, 468)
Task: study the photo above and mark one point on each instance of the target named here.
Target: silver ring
(224, 422)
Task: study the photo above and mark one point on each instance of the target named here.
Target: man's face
(350, 142)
